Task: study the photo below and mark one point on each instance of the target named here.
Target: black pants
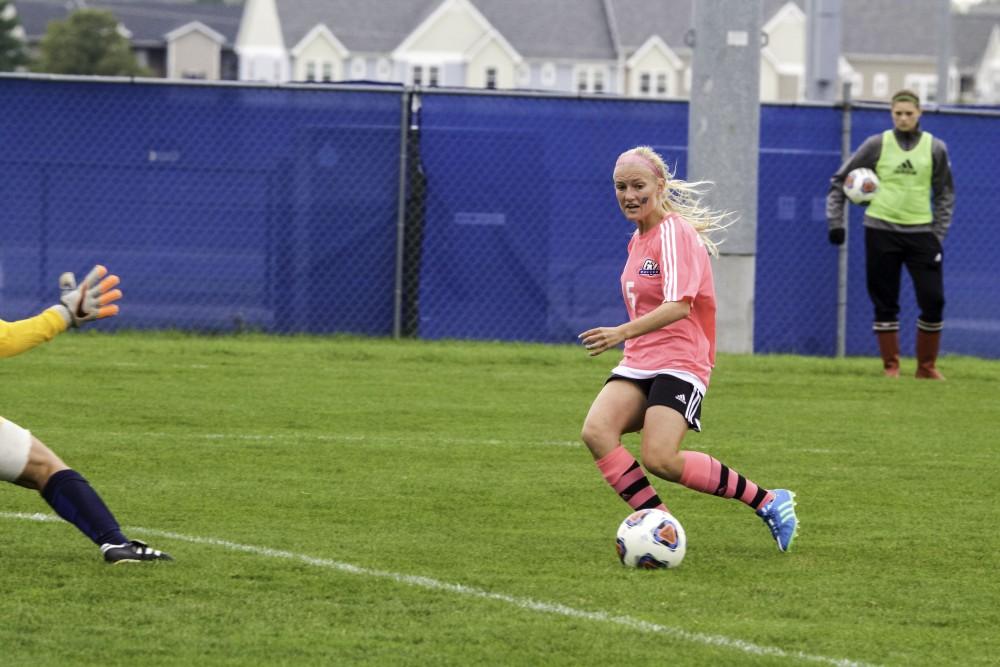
(885, 255)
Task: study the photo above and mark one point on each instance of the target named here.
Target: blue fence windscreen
(227, 207)
(795, 292)
(523, 236)
(221, 208)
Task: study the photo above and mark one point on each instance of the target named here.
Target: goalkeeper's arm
(90, 300)
(22, 335)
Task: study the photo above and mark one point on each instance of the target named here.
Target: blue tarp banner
(278, 209)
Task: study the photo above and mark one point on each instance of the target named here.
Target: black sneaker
(131, 552)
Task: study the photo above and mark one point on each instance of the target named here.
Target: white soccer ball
(651, 539)
(861, 185)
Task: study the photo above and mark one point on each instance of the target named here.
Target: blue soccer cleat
(779, 515)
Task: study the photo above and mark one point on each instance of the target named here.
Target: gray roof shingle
(371, 26)
(536, 29)
(970, 35)
(576, 29)
(890, 27)
(638, 20)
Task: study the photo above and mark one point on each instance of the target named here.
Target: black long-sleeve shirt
(867, 155)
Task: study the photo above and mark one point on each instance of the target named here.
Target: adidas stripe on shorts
(672, 392)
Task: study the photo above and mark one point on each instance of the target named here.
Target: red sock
(626, 477)
(705, 474)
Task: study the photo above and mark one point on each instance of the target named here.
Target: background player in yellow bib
(26, 461)
(904, 225)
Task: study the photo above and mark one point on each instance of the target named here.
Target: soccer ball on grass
(861, 185)
(650, 540)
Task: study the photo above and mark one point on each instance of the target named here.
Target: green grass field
(353, 501)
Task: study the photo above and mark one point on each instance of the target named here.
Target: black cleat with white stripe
(133, 551)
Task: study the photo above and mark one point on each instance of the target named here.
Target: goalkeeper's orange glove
(91, 299)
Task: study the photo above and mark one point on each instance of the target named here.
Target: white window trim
(359, 68)
(587, 73)
(922, 84)
(548, 74)
(880, 84)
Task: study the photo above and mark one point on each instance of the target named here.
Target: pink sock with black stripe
(626, 477)
(708, 475)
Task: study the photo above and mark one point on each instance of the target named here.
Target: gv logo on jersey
(649, 268)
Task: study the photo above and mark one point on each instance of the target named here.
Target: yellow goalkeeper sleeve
(22, 335)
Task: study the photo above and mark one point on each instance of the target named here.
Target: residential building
(172, 40)
(639, 48)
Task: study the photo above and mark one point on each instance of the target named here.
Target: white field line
(601, 617)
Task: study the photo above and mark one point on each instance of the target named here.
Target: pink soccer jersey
(670, 263)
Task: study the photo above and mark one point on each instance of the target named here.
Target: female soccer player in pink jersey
(669, 350)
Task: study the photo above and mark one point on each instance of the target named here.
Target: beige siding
(454, 31)
(892, 72)
(769, 82)
(194, 56)
(319, 51)
(789, 88)
(653, 62)
(260, 26)
(787, 42)
(492, 55)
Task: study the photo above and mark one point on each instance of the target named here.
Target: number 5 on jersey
(630, 295)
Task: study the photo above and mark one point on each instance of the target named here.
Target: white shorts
(15, 443)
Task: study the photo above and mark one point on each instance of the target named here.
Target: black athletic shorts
(672, 392)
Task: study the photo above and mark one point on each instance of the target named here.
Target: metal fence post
(845, 149)
(404, 133)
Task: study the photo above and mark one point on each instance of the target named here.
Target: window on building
(857, 83)
(924, 85)
(644, 79)
(383, 69)
(582, 82)
(491, 78)
(418, 75)
(524, 75)
(880, 84)
(328, 71)
(548, 74)
(433, 75)
(359, 68)
(310, 70)
(598, 81)
(661, 83)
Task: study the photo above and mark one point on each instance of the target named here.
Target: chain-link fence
(971, 274)
(222, 208)
(443, 214)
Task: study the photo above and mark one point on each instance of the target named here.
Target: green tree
(88, 42)
(12, 53)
